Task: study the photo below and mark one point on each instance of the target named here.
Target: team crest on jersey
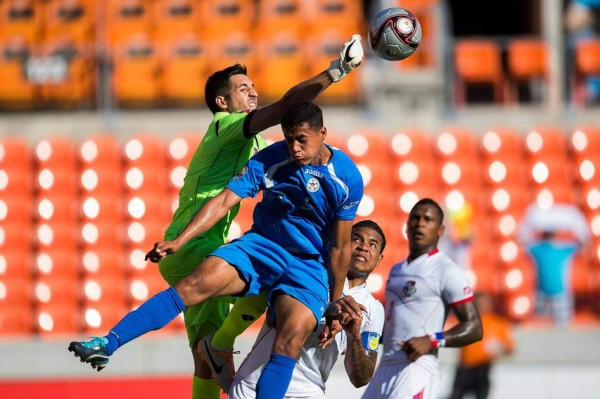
(312, 185)
(242, 173)
(410, 288)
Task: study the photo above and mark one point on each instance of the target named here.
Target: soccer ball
(394, 34)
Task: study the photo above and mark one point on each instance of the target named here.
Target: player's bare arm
(212, 211)
(340, 254)
(350, 57)
(468, 330)
(359, 362)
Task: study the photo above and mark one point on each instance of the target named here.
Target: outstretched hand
(350, 57)
(161, 250)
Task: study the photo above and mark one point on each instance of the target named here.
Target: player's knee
(290, 340)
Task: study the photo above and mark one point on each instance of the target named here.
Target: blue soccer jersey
(300, 203)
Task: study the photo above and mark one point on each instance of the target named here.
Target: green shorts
(206, 318)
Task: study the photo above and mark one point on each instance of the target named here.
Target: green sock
(205, 389)
(245, 312)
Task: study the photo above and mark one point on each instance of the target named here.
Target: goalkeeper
(230, 141)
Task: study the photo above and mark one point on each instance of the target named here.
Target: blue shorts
(265, 266)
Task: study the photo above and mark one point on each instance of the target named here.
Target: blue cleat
(93, 352)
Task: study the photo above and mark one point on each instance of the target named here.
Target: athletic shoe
(220, 361)
(92, 352)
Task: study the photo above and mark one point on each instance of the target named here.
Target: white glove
(350, 57)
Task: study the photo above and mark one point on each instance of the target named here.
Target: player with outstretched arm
(298, 248)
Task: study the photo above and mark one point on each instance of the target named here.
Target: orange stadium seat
(16, 208)
(76, 18)
(103, 261)
(54, 233)
(101, 234)
(140, 288)
(15, 291)
(57, 319)
(184, 70)
(505, 172)
(550, 171)
(232, 47)
(77, 85)
(56, 207)
(16, 91)
(175, 17)
(57, 262)
(16, 320)
(14, 151)
(103, 289)
(281, 52)
(457, 142)
(585, 141)
(56, 151)
(412, 143)
(478, 62)
(20, 18)
(127, 18)
(219, 16)
(343, 16)
(15, 235)
(16, 263)
(102, 207)
(182, 148)
(461, 172)
(547, 142)
(56, 290)
(101, 181)
(511, 199)
(527, 63)
(371, 147)
(136, 71)
(276, 15)
(100, 150)
(501, 143)
(145, 234)
(587, 63)
(97, 318)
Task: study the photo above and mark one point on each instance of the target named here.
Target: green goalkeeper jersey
(223, 152)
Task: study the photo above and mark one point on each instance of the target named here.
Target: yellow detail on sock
(205, 389)
(245, 312)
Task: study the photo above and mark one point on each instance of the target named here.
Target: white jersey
(314, 364)
(417, 296)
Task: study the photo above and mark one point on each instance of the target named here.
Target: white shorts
(418, 380)
(241, 390)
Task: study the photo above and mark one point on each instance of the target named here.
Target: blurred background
(101, 108)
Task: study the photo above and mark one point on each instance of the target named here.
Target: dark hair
(429, 201)
(218, 84)
(369, 224)
(302, 113)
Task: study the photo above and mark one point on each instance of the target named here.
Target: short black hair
(218, 84)
(369, 224)
(302, 113)
(429, 201)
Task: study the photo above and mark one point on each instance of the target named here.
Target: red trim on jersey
(433, 252)
(469, 299)
(420, 395)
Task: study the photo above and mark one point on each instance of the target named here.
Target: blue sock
(276, 377)
(153, 314)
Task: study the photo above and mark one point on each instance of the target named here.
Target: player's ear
(441, 230)
(221, 102)
(323, 133)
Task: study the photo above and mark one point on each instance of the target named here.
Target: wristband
(437, 340)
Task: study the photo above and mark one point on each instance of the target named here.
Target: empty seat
(75, 18)
(184, 70)
(126, 18)
(16, 92)
(176, 17)
(16, 320)
(277, 15)
(15, 291)
(501, 143)
(57, 262)
(16, 263)
(140, 288)
(220, 16)
(585, 141)
(57, 319)
(103, 289)
(232, 47)
(457, 142)
(478, 62)
(22, 18)
(587, 63)
(344, 16)
(136, 71)
(50, 289)
(548, 142)
(97, 318)
(527, 64)
(103, 261)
